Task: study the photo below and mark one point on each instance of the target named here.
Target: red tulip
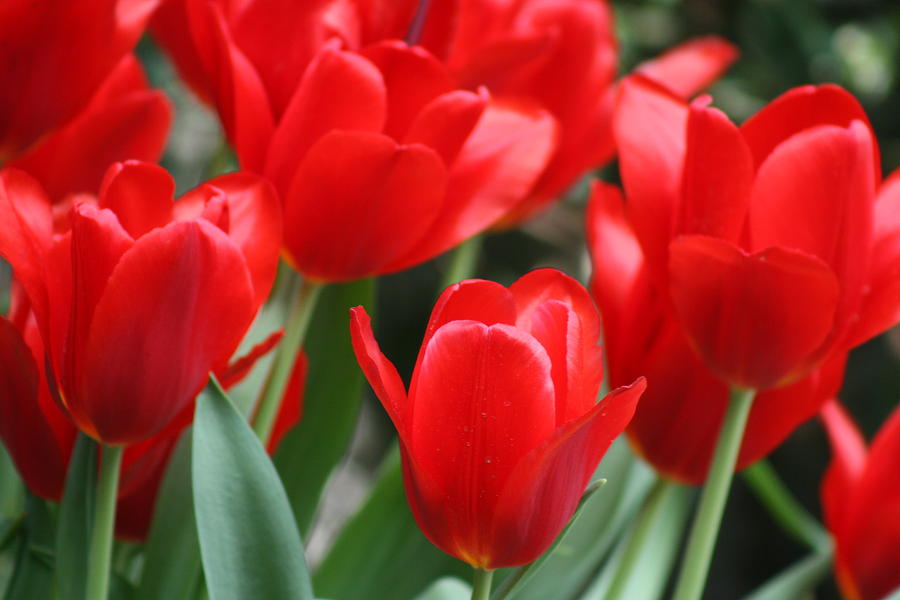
(124, 120)
(54, 57)
(500, 431)
(559, 55)
(141, 298)
(861, 500)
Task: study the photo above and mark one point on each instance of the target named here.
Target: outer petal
(74, 159)
(382, 375)
(237, 370)
(848, 461)
(880, 306)
(446, 122)
(484, 399)
(140, 194)
(140, 369)
(691, 66)
(493, 171)
(291, 409)
(815, 193)
(755, 319)
(801, 108)
(134, 511)
(255, 223)
(358, 203)
(543, 491)
(340, 90)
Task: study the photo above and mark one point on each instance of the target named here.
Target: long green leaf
(76, 515)
(33, 574)
(309, 453)
(249, 543)
(11, 488)
(381, 554)
(172, 555)
(796, 580)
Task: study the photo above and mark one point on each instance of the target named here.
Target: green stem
(784, 508)
(654, 505)
(463, 260)
(481, 584)
(702, 540)
(104, 522)
(298, 321)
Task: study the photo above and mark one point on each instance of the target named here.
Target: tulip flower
(559, 55)
(54, 57)
(861, 501)
(500, 430)
(130, 302)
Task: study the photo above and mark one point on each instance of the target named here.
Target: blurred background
(783, 43)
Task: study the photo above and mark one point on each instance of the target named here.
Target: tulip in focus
(861, 500)
(136, 298)
(500, 431)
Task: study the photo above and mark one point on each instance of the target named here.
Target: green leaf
(447, 588)
(796, 580)
(76, 516)
(33, 574)
(11, 488)
(381, 554)
(249, 543)
(570, 565)
(172, 554)
(309, 453)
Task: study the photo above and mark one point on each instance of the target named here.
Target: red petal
(446, 122)
(140, 194)
(291, 408)
(691, 66)
(848, 461)
(140, 369)
(815, 193)
(802, 108)
(754, 318)
(134, 510)
(484, 399)
(880, 306)
(236, 371)
(542, 493)
(381, 200)
(649, 126)
(382, 375)
(340, 90)
(74, 159)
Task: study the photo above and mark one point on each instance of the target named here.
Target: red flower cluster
(744, 256)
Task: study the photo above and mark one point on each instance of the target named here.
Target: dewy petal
(359, 202)
(162, 324)
(140, 194)
(543, 491)
(754, 318)
(339, 90)
(690, 66)
(801, 108)
(380, 372)
(484, 399)
(815, 193)
(880, 306)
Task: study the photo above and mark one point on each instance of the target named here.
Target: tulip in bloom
(861, 500)
(137, 298)
(753, 256)
(500, 431)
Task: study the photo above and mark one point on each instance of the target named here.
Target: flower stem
(481, 583)
(104, 522)
(784, 508)
(303, 305)
(702, 540)
(463, 260)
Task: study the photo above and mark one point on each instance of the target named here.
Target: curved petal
(358, 202)
(484, 399)
(140, 194)
(75, 158)
(543, 491)
(291, 408)
(801, 108)
(140, 369)
(533, 289)
(848, 448)
(815, 193)
(756, 319)
(339, 90)
(446, 122)
(690, 66)
(382, 375)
